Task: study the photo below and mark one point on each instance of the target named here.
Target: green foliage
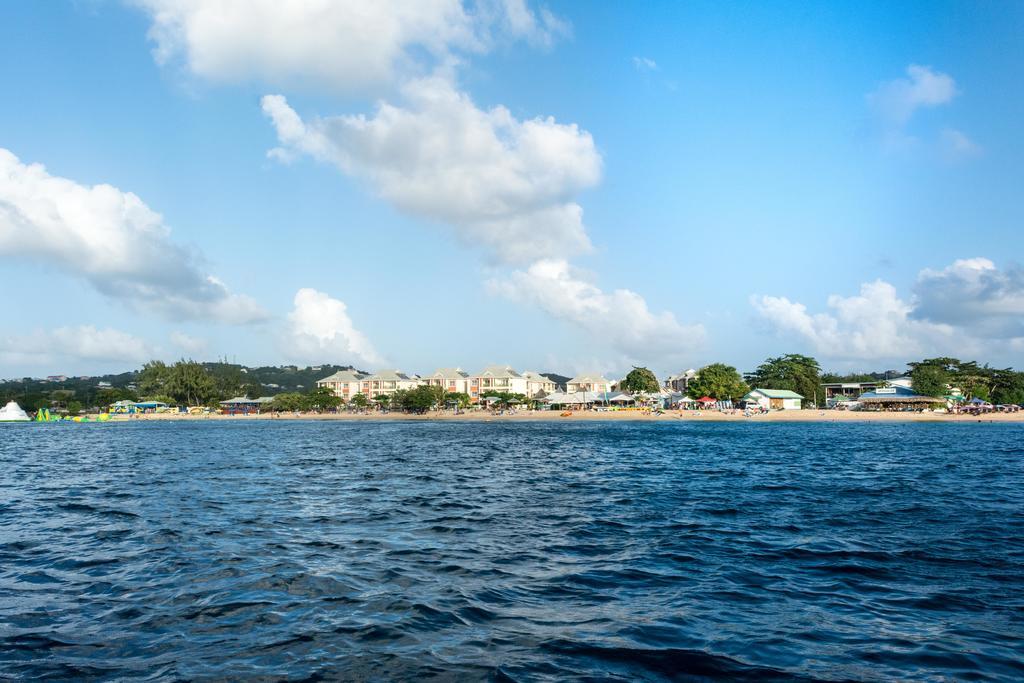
(719, 381)
(505, 398)
(290, 401)
(793, 371)
(74, 407)
(930, 380)
(360, 401)
(153, 377)
(419, 400)
(383, 400)
(189, 383)
(322, 398)
(640, 379)
(461, 399)
(1008, 387)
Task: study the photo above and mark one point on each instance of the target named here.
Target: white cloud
(113, 241)
(66, 344)
(964, 307)
(975, 295)
(187, 343)
(956, 145)
(897, 100)
(322, 331)
(504, 185)
(644, 64)
(620, 319)
(345, 45)
(873, 325)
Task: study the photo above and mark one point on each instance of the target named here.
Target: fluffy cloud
(959, 308)
(897, 100)
(503, 184)
(350, 44)
(322, 331)
(187, 343)
(620, 318)
(973, 294)
(74, 344)
(874, 325)
(112, 240)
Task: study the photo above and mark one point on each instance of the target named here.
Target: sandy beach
(622, 415)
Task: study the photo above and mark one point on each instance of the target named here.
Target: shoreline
(592, 416)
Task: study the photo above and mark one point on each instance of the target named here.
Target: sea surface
(526, 552)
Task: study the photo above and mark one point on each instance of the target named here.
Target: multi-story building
(679, 383)
(344, 383)
(592, 383)
(387, 382)
(537, 384)
(454, 380)
(500, 378)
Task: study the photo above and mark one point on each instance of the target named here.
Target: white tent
(12, 412)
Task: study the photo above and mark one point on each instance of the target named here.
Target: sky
(566, 187)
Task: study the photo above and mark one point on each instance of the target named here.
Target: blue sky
(560, 187)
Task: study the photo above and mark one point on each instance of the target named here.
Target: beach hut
(774, 399)
(896, 398)
(705, 402)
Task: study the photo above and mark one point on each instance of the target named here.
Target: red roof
(705, 399)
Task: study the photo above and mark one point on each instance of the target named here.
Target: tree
(719, 381)
(288, 402)
(419, 400)
(930, 380)
(360, 401)
(1008, 387)
(383, 400)
(640, 379)
(153, 377)
(322, 398)
(793, 371)
(190, 383)
(461, 399)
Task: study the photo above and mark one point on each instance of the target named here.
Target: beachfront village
(791, 382)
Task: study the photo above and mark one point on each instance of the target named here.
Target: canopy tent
(620, 397)
(706, 399)
(978, 402)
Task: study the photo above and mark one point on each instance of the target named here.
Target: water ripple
(512, 552)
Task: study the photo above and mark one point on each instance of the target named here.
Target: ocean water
(527, 552)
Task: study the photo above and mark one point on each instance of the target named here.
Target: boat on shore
(12, 412)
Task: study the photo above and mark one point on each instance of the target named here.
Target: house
(344, 383)
(775, 399)
(500, 378)
(591, 383)
(387, 382)
(537, 384)
(453, 380)
(679, 383)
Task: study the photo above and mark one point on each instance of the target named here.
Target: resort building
(537, 384)
(500, 378)
(454, 380)
(594, 383)
(344, 383)
(679, 383)
(387, 382)
(775, 399)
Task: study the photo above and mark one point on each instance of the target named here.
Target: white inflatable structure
(12, 412)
